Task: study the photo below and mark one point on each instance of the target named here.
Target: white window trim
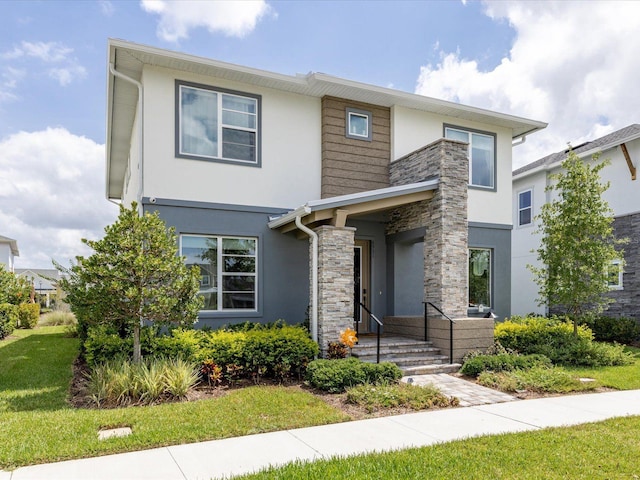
(521, 209)
(220, 274)
(620, 265)
(362, 114)
(220, 91)
(493, 136)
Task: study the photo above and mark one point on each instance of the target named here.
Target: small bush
(377, 397)
(337, 350)
(502, 362)
(334, 376)
(57, 318)
(536, 379)
(609, 329)
(8, 319)
(28, 315)
(120, 382)
(103, 345)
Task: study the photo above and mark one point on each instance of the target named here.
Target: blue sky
(572, 64)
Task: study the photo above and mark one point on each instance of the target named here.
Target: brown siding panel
(350, 165)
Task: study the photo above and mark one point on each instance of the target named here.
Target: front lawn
(626, 377)
(39, 425)
(608, 449)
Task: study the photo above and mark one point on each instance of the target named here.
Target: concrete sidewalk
(234, 456)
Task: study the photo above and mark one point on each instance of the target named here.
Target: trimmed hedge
(8, 319)
(275, 351)
(334, 376)
(502, 363)
(555, 339)
(610, 329)
(28, 315)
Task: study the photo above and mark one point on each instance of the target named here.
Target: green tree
(135, 274)
(578, 243)
(13, 289)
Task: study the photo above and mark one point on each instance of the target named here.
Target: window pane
(479, 277)
(238, 246)
(236, 300)
(239, 152)
(481, 167)
(237, 119)
(456, 135)
(239, 104)
(239, 264)
(199, 122)
(203, 252)
(525, 216)
(358, 125)
(238, 283)
(525, 199)
(241, 137)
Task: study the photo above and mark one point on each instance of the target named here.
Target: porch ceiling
(335, 210)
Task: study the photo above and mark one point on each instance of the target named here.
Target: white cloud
(572, 64)
(232, 18)
(45, 51)
(65, 76)
(106, 7)
(52, 195)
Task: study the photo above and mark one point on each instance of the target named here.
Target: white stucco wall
(132, 176)
(6, 257)
(412, 129)
(291, 149)
(623, 197)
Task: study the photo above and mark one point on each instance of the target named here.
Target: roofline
(586, 153)
(13, 245)
(353, 198)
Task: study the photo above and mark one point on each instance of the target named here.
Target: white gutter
(140, 128)
(523, 139)
(314, 277)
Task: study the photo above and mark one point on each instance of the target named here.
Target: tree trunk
(137, 351)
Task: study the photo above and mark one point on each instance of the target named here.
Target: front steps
(414, 357)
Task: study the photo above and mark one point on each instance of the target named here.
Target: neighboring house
(622, 148)
(314, 191)
(44, 283)
(8, 250)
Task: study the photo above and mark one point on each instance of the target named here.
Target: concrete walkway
(234, 456)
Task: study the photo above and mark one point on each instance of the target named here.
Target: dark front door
(361, 281)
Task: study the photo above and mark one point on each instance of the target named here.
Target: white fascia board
(277, 222)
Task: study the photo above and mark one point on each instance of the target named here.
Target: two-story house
(314, 192)
(8, 250)
(622, 148)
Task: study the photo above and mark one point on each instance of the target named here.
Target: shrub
(376, 397)
(337, 350)
(8, 319)
(502, 362)
(179, 376)
(103, 344)
(536, 379)
(555, 339)
(335, 376)
(610, 329)
(28, 315)
(57, 318)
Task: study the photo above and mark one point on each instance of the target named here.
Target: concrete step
(411, 351)
(430, 369)
(392, 357)
(409, 361)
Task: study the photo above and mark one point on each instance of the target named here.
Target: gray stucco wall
(283, 276)
(498, 238)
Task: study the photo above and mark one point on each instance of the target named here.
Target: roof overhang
(130, 59)
(13, 245)
(335, 210)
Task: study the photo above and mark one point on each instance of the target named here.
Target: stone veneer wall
(627, 301)
(445, 219)
(335, 282)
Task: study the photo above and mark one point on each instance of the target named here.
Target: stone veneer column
(335, 282)
(444, 217)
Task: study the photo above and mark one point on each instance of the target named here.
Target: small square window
(358, 124)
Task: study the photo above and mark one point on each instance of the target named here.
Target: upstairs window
(358, 124)
(482, 156)
(525, 209)
(217, 124)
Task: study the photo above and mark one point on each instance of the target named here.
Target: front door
(361, 283)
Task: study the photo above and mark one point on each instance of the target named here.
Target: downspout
(523, 139)
(140, 128)
(314, 277)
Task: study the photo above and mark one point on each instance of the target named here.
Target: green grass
(622, 378)
(608, 449)
(38, 425)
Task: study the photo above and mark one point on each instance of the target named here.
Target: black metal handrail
(451, 322)
(378, 325)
